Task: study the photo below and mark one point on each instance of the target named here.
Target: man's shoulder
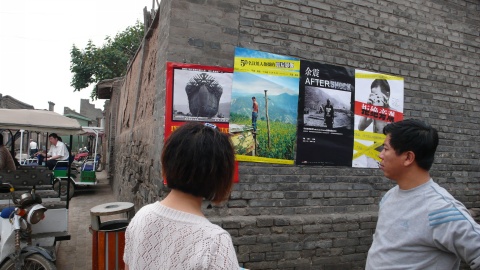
(438, 191)
(438, 198)
(444, 208)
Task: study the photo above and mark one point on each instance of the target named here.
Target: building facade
(306, 217)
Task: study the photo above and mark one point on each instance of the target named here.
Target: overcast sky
(36, 37)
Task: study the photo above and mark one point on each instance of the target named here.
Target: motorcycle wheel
(63, 191)
(32, 262)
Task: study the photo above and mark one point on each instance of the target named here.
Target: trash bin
(108, 238)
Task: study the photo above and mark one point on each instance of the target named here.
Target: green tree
(93, 64)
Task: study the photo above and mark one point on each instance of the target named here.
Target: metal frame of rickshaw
(89, 174)
(32, 120)
(21, 120)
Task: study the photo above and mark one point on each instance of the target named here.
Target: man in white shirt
(58, 151)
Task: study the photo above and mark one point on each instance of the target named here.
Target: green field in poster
(282, 141)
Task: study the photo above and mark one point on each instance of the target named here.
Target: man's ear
(409, 158)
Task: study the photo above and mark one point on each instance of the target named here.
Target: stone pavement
(76, 253)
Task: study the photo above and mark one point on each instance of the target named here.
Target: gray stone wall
(134, 164)
(297, 217)
(333, 241)
(111, 115)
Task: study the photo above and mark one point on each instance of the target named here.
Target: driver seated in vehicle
(58, 152)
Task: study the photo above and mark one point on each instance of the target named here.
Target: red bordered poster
(198, 93)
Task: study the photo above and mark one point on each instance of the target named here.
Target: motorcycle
(16, 248)
(82, 154)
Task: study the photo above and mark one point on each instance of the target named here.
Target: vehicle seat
(88, 166)
(61, 165)
(7, 211)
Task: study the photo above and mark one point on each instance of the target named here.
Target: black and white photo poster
(325, 115)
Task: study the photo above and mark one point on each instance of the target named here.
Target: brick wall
(111, 114)
(297, 217)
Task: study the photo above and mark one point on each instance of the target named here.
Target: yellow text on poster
(274, 67)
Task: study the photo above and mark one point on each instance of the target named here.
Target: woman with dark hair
(6, 159)
(197, 163)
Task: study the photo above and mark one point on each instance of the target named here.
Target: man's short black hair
(199, 160)
(55, 136)
(253, 98)
(416, 136)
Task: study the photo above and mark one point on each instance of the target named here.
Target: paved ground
(76, 253)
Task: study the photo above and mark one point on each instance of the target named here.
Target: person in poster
(378, 102)
(254, 113)
(325, 115)
(329, 114)
(263, 129)
(379, 96)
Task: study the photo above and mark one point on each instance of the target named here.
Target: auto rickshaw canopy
(38, 120)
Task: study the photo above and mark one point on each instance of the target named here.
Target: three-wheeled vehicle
(34, 216)
(83, 173)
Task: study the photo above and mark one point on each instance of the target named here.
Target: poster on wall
(378, 102)
(325, 115)
(263, 113)
(198, 93)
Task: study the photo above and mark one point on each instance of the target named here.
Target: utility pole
(266, 114)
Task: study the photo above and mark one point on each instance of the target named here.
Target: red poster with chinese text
(198, 93)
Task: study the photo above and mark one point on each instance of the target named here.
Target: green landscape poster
(264, 105)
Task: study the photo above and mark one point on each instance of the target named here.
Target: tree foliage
(94, 64)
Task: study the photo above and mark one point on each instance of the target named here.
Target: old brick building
(8, 102)
(298, 217)
(88, 110)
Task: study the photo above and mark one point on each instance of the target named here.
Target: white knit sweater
(159, 237)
